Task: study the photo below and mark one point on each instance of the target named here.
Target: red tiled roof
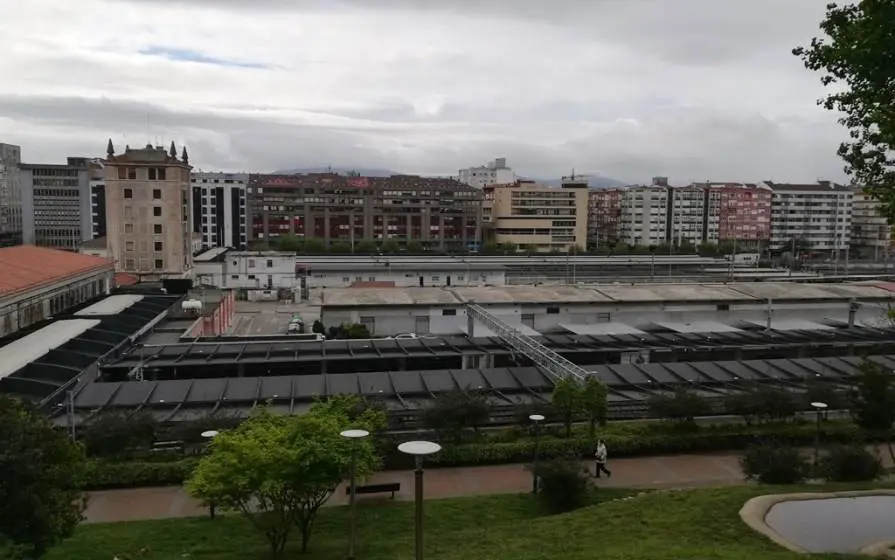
(25, 266)
(125, 279)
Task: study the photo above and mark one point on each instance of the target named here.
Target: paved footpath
(670, 471)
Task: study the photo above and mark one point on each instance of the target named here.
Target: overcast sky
(691, 89)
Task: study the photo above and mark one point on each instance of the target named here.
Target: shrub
(849, 463)
(119, 434)
(563, 486)
(681, 406)
(318, 327)
(774, 464)
(103, 474)
(451, 414)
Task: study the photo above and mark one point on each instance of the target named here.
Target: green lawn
(685, 525)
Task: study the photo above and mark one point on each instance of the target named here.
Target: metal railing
(555, 365)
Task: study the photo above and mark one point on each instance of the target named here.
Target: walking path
(670, 471)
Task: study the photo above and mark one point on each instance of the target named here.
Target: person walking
(600, 460)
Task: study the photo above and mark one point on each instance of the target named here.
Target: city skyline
(700, 92)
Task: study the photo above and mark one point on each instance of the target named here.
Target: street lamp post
(537, 419)
(419, 449)
(352, 492)
(819, 407)
(209, 435)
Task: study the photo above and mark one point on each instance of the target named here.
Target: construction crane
(575, 178)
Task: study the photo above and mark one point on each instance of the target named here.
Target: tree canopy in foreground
(857, 59)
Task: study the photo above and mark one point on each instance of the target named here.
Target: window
(604, 317)
(158, 246)
(157, 211)
(129, 264)
(128, 228)
(159, 264)
(269, 263)
(157, 229)
(449, 312)
(128, 245)
(128, 193)
(150, 174)
(251, 276)
(724, 307)
(132, 173)
(157, 194)
(251, 263)
(552, 310)
(234, 276)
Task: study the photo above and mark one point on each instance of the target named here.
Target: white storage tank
(193, 305)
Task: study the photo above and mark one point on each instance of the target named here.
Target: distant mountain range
(596, 181)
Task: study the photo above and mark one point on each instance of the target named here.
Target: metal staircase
(555, 365)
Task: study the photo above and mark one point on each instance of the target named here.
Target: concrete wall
(402, 319)
(216, 322)
(407, 278)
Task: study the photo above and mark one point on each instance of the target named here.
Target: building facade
(10, 195)
(219, 209)
(147, 192)
(495, 173)
(743, 211)
(643, 216)
(812, 217)
(692, 215)
(604, 208)
(439, 213)
(539, 218)
(97, 198)
(871, 234)
(56, 204)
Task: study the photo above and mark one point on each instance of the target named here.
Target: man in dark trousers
(600, 460)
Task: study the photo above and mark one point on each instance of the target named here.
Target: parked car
(405, 336)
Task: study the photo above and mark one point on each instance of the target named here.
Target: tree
(365, 247)
(340, 247)
(452, 413)
(567, 401)
(855, 58)
(390, 247)
(414, 247)
(287, 242)
(318, 327)
(313, 246)
(119, 434)
(40, 474)
(279, 470)
(682, 406)
(593, 403)
(873, 401)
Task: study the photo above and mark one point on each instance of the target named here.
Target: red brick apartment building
(745, 211)
(440, 213)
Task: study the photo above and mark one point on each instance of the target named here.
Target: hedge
(627, 442)
(105, 474)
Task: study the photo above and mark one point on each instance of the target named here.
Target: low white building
(261, 274)
(584, 310)
(816, 216)
(494, 173)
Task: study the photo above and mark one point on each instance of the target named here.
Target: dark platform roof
(407, 391)
(59, 367)
(228, 353)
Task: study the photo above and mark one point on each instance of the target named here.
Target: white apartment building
(494, 173)
(219, 208)
(819, 215)
(10, 195)
(870, 231)
(643, 219)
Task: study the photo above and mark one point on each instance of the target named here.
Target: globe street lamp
(210, 435)
(419, 449)
(537, 419)
(819, 407)
(352, 504)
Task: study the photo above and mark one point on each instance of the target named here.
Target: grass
(685, 525)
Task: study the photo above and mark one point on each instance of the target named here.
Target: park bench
(375, 489)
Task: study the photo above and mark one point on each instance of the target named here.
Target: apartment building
(494, 173)
(56, 204)
(10, 195)
(817, 216)
(148, 211)
(871, 233)
(744, 211)
(535, 217)
(439, 213)
(219, 209)
(644, 214)
(693, 214)
(604, 208)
